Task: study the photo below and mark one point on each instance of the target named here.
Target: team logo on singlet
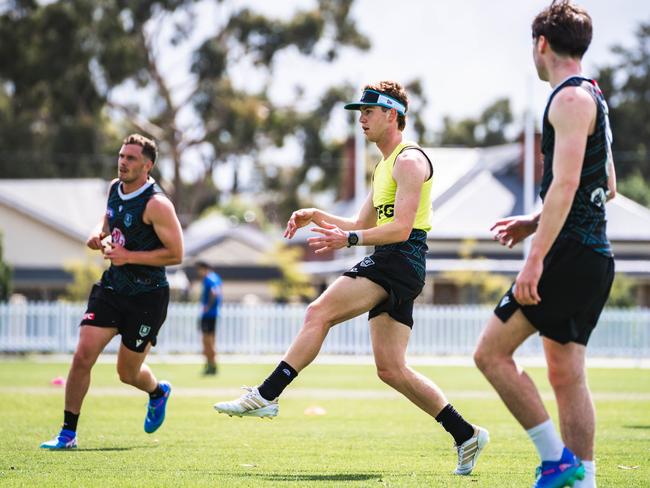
(110, 212)
(598, 197)
(118, 237)
(128, 219)
(144, 330)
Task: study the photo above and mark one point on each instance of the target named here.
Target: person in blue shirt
(210, 303)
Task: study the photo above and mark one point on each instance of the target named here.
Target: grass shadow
(319, 477)
(104, 449)
(636, 426)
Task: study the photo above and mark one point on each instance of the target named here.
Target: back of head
(567, 28)
(396, 91)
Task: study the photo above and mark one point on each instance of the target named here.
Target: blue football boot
(156, 409)
(67, 439)
(559, 474)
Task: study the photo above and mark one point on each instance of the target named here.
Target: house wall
(28, 243)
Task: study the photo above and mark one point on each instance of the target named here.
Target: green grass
(378, 441)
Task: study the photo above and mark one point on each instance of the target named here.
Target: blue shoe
(156, 409)
(562, 473)
(67, 439)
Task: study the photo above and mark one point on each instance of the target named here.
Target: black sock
(70, 420)
(157, 393)
(455, 424)
(277, 381)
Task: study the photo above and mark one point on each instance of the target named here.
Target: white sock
(547, 441)
(590, 476)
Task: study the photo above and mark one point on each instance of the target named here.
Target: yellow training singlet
(384, 188)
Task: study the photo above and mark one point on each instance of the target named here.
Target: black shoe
(210, 370)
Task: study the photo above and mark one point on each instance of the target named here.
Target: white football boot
(250, 404)
(469, 451)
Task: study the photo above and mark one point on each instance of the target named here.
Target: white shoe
(469, 451)
(251, 404)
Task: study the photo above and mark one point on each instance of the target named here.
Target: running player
(131, 298)
(566, 279)
(395, 219)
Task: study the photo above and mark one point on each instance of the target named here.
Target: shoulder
(159, 206)
(412, 159)
(571, 105)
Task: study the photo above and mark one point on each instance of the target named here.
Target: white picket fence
(269, 329)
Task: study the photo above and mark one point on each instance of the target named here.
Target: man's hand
(298, 219)
(118, 255)
(331, 238)
(94, 242)
(512, 230)
(525, 289)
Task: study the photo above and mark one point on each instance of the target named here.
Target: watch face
(353, 239)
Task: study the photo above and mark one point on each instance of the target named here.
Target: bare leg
(344, 299)
(494, 357)
(133, 371)
(567, 375)
(209, 349)
(389, 341)
(92, 341)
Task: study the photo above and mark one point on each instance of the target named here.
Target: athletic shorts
(137, 318)
(574, 287)
(208, 325)
(393, 272)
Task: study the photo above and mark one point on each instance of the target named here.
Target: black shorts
(574, 287)
(137, 318)
(208, 325)
(393, 272)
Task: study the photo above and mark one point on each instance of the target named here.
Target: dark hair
(396, 91)
(566, 26)
(202, 264)
(149, 149)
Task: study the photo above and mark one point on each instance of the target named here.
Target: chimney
(539, 160)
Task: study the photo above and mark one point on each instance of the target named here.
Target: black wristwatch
(353, 239)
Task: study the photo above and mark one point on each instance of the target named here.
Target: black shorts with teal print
(137, 318)
(400, 270)
(574, 287)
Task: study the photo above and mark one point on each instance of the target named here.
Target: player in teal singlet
(140, 235)
(565, 281)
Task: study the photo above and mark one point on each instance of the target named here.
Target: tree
(489, 129)
(91, 51)
(626, 85)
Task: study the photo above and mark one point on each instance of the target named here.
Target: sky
(467, 53)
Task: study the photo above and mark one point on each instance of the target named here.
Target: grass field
(369, 436)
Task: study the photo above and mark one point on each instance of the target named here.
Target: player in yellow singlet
(395, 219)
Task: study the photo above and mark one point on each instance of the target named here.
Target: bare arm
(410, 171)
(611, 178)
(571, 114)
(363, 220)
(161, 215)
(101, 230)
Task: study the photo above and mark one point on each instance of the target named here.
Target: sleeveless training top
(586, 222)
(124, 214)
(384, 187)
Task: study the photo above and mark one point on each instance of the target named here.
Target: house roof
(70, 206)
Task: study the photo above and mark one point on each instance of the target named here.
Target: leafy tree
(55, 88)
(636, 187)
(626, 84)
(5, 277)
(294, 285)
(623, 292)
(488, 130)
(84, 275)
